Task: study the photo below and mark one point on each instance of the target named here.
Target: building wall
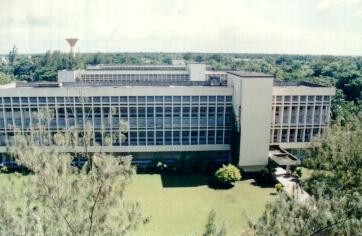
(196, 71)
(160, 119)
(173, 119)
(299, 114)
(252, 107)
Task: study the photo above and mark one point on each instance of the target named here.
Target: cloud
(183, 25)
(331, 5)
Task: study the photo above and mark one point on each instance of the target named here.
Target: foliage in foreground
(335, 186)
(61, 199)
(4, 78)
(228, 174)
(325, 216)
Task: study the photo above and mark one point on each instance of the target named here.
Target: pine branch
(328, 226)
(93, 208)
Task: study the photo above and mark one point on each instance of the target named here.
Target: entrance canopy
(282, 157)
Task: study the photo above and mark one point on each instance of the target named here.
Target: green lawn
(180, 204)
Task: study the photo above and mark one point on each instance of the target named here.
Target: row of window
(294, 135)
(133, 77)
(115, 100)
(295, 99)
(291, 115)
(140, 117)
(148, 123)
(150, 138)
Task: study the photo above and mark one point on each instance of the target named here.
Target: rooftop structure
(174, 110)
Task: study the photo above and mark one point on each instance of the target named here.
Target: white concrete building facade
(172, 110)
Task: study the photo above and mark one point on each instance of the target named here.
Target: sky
(332, 27)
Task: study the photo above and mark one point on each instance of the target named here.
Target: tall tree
(62, 199)
(13, 54)
(336, 187)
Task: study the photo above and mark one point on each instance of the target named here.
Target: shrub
(161, 166)
(4, 169)
(228, 174)
(279, 187)
(5, 79)
(298, 172)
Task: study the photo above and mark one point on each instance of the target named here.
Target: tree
(325, 216)
(228, 174)
(62, 199)
(24, 70)
(4, 78)
(335, 186)
(13, 54)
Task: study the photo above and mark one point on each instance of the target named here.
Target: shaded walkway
(291, 187)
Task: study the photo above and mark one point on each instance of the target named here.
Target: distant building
(175, 110)
(4, 61)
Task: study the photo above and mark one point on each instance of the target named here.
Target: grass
(180, 204)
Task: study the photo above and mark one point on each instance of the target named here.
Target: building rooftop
(249, 74)
(135, 67)
(298, 83)
(116, 84)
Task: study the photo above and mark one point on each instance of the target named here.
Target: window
(227, 138)
(177, 99)
(142, 138)
(24, 100)
(195, 99)
(185, 137)
(168, 99)
(219, 137)
(292, 135)
(132, 99)
(186, 99)
(211, 137)
(202, 138)
(51, 100)
(176, 138)
(150, 138)
(133, 138)
(141, 112)
(159, 138)
(212, 99)
(159, 99)
(168, 137)
(194, 138)
(123, 100)
(141, 99)
(15, 100)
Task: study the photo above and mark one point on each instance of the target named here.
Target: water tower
(72, 42)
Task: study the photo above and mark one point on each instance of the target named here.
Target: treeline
(345, 73)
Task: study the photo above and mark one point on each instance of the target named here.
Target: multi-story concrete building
(172, 110)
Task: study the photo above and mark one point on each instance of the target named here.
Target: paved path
(291, 187)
